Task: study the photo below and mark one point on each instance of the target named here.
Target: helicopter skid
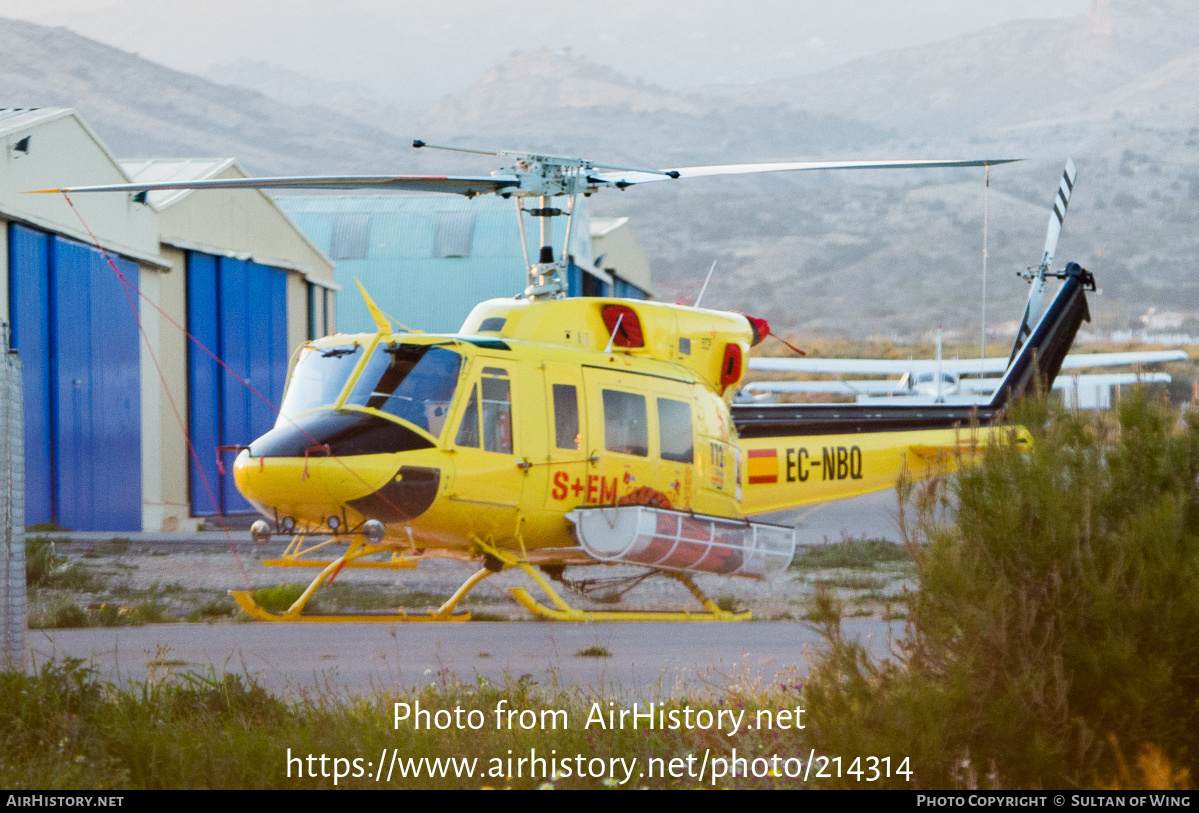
(245, 599)
(562, 611)
(397, 564)
(573, 614)
(329, 570)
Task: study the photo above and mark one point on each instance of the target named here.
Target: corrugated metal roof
(157, 170)
(18, 118)
(606, 225)
(401, 268)
(10, 112)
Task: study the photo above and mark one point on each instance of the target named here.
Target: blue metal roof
(388, 243)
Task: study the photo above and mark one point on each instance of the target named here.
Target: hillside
(1009, 75)
(142, 109)
(551, 101)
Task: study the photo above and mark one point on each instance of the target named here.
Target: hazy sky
(416, 52)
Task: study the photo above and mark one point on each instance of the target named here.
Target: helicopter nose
(309, 467)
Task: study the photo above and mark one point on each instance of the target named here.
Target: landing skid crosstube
(496, 560)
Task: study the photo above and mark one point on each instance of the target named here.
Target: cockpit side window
(318, 379)
(411, 381)
(488, 419)
(468, 430)
(497, 410)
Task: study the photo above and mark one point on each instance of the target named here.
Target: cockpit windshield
(415, 382)
(319, 377)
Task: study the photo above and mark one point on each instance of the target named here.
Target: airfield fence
(13, 606)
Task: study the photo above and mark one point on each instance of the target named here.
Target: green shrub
(212, 610)
(67, 615)
(728, 603)
(850, 553)
(1053, 636)
(279, 599)
(44, 567)
(148, 612)
(41, 560)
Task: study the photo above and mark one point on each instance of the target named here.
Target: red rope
(793, 347)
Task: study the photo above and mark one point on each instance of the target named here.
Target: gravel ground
(186, 576)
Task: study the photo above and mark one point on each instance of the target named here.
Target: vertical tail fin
(1049, 341)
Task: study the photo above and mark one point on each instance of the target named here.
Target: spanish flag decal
(763, 466)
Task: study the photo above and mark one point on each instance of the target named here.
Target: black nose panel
(406, 496)
(346, 433)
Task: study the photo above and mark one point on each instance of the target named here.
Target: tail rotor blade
(1058, 214)
(1032, 309)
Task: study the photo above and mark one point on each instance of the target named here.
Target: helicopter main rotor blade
(403, 183)
(629, 178)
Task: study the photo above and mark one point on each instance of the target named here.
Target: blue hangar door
(238, 310)
(78, 341)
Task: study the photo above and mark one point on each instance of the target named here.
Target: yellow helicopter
(550, 432)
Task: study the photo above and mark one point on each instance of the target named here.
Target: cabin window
(497, 410)
(674, 430)
(625, 425)
(318, 378)
(415, 382)
(566, 417)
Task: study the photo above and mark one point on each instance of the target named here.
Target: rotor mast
(547, 277)
(546, 177)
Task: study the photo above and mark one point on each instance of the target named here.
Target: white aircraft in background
(941, 381)
(945, 381)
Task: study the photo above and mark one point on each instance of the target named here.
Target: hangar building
(428, 259)
(249, 286)
(104, 450)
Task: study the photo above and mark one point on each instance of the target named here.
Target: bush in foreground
(1053, 641)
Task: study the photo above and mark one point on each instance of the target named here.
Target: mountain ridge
(850, 253)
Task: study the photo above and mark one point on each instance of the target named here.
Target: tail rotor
(1037, 276)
